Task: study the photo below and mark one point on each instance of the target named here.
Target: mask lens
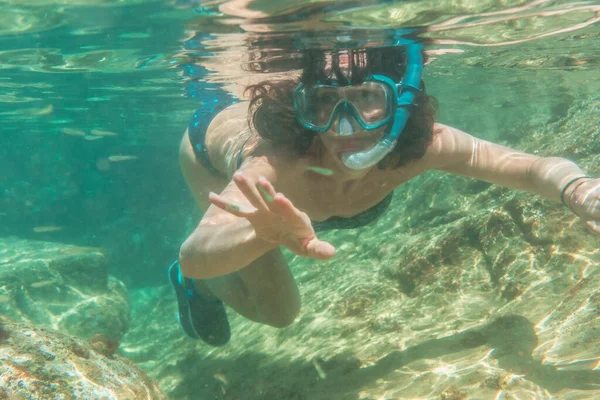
(370, 101)
(315, 105)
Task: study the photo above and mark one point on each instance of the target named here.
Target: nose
(346, 125)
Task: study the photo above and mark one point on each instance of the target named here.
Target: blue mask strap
(411, 85)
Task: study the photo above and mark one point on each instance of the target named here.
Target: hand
(584, 201)
(274, 218)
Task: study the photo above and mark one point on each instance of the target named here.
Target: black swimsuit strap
(198, 127)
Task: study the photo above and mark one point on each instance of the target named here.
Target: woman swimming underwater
(324, 151)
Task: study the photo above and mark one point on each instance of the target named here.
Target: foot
(201, 288)
(202, 316)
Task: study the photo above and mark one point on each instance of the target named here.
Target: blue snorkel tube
(409, 86)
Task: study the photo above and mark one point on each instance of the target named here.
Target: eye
(328, 98)
(367, 95)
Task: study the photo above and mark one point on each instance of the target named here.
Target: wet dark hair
(273, 118)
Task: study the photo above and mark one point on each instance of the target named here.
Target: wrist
(570, 187)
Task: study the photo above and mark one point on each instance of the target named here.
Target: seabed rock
(462, 290)
(62, 287)
(39, 363)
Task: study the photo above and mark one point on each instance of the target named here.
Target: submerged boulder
(62, 287)
(38, 363)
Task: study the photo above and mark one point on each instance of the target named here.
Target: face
(348, 118)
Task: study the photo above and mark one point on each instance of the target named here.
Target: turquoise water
(96, 95)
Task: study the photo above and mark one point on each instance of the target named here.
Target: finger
(249, 191)
(282, 206)
(319, 249)
(593, 226)
(239, 210)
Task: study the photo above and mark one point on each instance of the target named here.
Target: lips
(354, 145)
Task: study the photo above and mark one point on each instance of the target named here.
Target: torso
(319, 196)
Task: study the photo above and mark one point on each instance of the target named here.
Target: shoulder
(229, 139)
(226, 136)
(234, 114)
(449, 145)
(222, 133)
(446, 145)
(449, 148)
(445, 139)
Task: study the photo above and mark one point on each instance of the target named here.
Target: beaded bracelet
(572, 181)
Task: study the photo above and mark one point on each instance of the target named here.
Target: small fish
(61, 121)
(49, 228)
(221, 378)
(81, 250)
(97, 99)
(319, 170)
(319, 369)
(92, 137)
(73, 132)
(40, 284)
(98, 132)
(44, 111)
(121, 158)
(135, 35)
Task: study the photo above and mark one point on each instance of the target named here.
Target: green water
(96, 94)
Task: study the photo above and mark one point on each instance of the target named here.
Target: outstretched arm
(463, 154)
(245, 221)
(551, 177)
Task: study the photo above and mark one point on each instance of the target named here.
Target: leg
(265, 291)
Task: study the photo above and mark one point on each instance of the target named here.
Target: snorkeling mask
(376, 102)
(370, 103)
